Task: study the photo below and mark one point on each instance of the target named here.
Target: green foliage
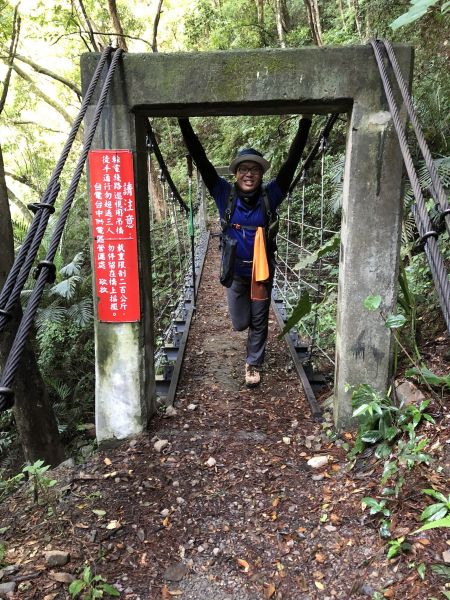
(372, 302)
(376, 507)
(398, 546)
(438, 510)
(418, 9)
(391, 430)
(41, 484)
(428, 376)
(3, 550)
(91, 586)
(303, 308)
(331, 245)
(9, 485)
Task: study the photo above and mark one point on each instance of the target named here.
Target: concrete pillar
(124, 378)
(370, 244)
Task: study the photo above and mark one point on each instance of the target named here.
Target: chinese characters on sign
(114, 231)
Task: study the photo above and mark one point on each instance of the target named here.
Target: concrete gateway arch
(259, 82)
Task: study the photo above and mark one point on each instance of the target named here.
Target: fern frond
(81, 312)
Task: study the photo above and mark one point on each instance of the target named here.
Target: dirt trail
(229, 510)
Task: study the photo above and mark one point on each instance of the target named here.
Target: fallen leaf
(335, 519)
(275, 502)
(273, 516)
(107, 461)
(165, 593)
(269, 590)
(423, 541)
(114, 525)
(319, 585)
(165, 522)
(244, 564)
(99, 512)
(320, 557)
(389, 593)
(175, 592)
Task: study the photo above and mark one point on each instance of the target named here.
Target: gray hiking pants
(252, 314)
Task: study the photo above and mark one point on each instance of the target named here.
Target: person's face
(248, 176)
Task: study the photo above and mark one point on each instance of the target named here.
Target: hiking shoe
(252, 376)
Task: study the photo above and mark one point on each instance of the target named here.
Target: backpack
(272, 218)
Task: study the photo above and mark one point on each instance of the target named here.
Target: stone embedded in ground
(211, 462)
(7, 588)
(56, 558)
(170, 412)
(318, 461)
(175, 572)
(192, 406)
(62, 577)
(160, 445)
(408, 393)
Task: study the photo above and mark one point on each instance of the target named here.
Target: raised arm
(287, 170)
(206, 168)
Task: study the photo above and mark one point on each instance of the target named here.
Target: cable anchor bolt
(51, 270)
(35, 206)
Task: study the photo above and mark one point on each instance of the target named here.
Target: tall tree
(155, 26)
(282, 18)
(260, 17)
(33, 413)
(117, 25)
(312, 9)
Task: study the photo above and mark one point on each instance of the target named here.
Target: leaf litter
(255, 520)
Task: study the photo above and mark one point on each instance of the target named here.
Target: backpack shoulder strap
(268, 211)
(231, 205)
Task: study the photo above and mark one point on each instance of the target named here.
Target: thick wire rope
(47, 266)
(20, 270)
(423, 222)
(437, 189)
(153, 145)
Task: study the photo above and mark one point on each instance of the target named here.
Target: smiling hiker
(249, 224)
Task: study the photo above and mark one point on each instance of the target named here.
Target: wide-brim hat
(249, 154)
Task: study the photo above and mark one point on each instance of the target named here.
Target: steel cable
(423, 222)
(22, 264)
(26, 324)
(437, 190)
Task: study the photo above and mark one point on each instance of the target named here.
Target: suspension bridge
(143, 318)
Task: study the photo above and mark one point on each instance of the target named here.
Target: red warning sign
(115, 239)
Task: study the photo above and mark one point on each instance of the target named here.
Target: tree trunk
(117, 25)
(155, 27)
(282, 17)
(260, 17)
(89, 26)
(357, 19)
(312, 9)
(341, 11)
(34, 416)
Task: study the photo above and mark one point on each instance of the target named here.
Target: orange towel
(260, 268)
